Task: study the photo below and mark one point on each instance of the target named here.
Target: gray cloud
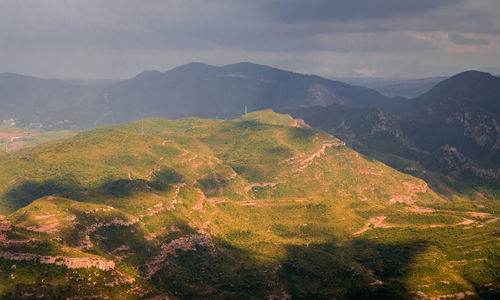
(336, 10)
(460, 39)
(118, 38)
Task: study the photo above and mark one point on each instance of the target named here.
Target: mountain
(194, 89)
(452, 129)
(396, 87)
(463, 112)
(262, 206)
(100, 83)
(201, 90)
(365, 129)
(47, 103)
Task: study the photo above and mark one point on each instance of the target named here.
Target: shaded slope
(48, 103)
(201, 90)
(194, 89)
(463, 112)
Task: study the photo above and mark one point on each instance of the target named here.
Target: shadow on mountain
(363, 269)
(28, 191)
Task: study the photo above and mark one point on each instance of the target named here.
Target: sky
(332, 38)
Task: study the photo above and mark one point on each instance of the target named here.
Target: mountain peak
(470, 75)
(8, 75)
(466, 78)
(149, 74)
(469, 85)
(192, 67)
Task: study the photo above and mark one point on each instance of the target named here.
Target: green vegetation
(256, 207)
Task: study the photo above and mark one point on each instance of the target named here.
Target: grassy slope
(285, 217)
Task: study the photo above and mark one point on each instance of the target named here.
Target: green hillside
(257, 207)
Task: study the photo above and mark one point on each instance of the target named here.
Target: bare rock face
(115, 222)
(322, 95)
(69, 262)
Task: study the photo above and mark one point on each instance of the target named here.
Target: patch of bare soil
(402, 199)
(10, 135)
(481, 195)
(216, 200)
(371, 172)
(481, 215)
(422, 210)
(375, 222)
(44, 216)
(465, 222)
(415, 188)
(49, 226)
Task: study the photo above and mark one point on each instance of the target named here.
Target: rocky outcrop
(115, 222)
(449, 160)
(69, 262)
(309, 160)
(186, 243)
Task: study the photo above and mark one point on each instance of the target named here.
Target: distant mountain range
(194, 89)
(47, 103)
(393, 87)
(201, 90)
(459, 116)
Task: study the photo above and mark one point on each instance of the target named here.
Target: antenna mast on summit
(246, 111)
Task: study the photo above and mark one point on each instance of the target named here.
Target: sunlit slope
(243, 159)
(254, 207)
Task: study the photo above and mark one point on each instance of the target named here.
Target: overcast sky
(332, 38)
